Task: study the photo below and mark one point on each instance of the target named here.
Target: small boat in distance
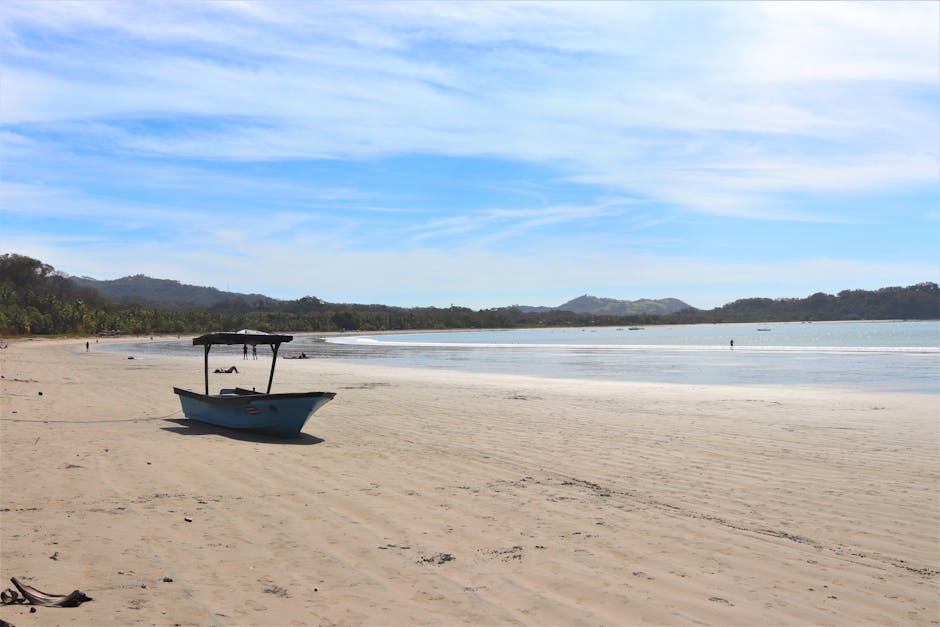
(763, 329)
(282, 415)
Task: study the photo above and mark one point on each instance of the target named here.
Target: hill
(169, 294)
(37, 299)
(611, 307)
(915, 302)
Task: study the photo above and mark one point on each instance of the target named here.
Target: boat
(281, 414)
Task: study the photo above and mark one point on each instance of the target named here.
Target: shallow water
(891, 356)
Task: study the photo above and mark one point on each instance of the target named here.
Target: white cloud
(714, 108)
(845, 41)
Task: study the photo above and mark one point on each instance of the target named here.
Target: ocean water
(889, 355)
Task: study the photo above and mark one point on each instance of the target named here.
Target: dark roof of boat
(241, 337)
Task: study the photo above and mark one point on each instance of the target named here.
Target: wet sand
(430, 497)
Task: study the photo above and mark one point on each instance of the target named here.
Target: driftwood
(38, 597)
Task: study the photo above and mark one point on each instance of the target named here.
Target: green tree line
(35, 299)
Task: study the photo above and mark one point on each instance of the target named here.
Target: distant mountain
(35, 298)
(612, 307)
(169, 294)
(917, 302)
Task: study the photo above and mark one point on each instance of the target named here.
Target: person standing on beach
(245, 351)
(254, 351)
(86, 347)
(732, 344)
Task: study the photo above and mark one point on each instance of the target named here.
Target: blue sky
(477, 154)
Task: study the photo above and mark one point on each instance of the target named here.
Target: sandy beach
(431, 497)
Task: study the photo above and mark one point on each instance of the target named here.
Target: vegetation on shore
(36, 299)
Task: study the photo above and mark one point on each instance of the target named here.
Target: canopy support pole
(274, 348)
(206, 360)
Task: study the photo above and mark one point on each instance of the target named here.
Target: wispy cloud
(489, 225)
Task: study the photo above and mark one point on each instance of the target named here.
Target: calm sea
(890, 355)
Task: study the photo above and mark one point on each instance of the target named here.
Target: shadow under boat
(281, 415)
(188, 427)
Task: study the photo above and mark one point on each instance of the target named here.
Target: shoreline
(442, 497)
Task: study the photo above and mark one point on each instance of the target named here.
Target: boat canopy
(245, 336)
